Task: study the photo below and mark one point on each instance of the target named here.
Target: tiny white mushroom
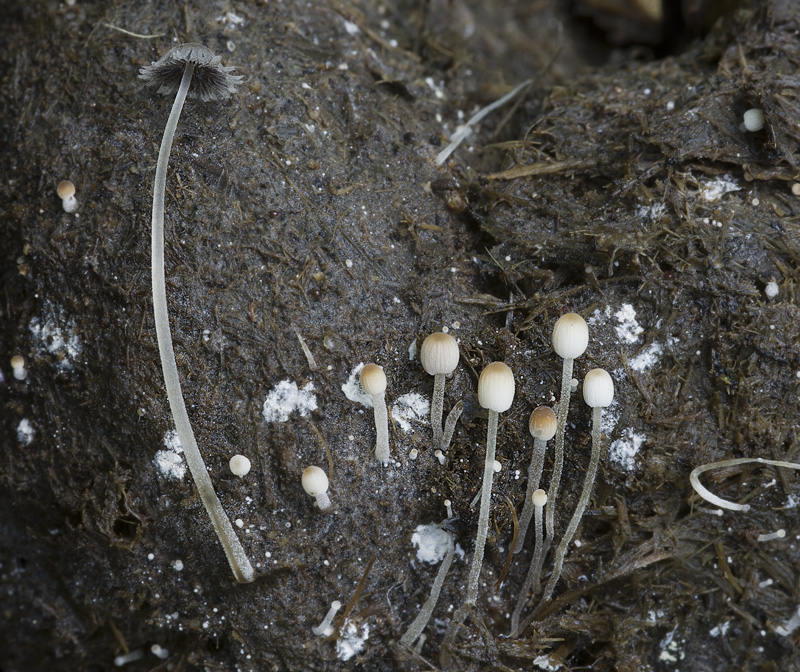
(325, 629)
(570, 339)
(315, 483)
(598, 392)
(18, 366)
(542, 426)
(771, 536)
(373, 380)
(239, 465)
(495, 393)
(66, 192)
(754, 120)
(439, 357)
(538, 500)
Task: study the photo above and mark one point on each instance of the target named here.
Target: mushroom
(373, 380)
(325, 629)
(710, 497)
(538, 500)
(439, 357)
(189, 69)
(239, 465)
(542, 426)
(315, 483)
(570, 338)
(753, 120)
(66, 192)
(598, 392)
(495, 393)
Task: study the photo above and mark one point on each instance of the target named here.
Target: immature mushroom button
(538, 499)
(439, 357)
(754, 120)
(315, 483)
(373, 380)
(598, 392)
(495, 393)
(239, 465)
(66, 192)
(570, 338)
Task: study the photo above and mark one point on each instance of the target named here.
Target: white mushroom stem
(381, 427)
(323, 501)
(772, 536)
(586, 493)
(724, 503)
(483, 517)
(535, 569)
(450, 424)
(558, 464)
(325, 629)
(534, 476)
(419, 623)
(437, 404)
(240, 564)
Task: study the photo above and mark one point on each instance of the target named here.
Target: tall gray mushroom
(193, 70)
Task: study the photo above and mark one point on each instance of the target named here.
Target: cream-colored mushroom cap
(439, 354)
(239, 465)
(65, 189)
(598, 388)
(754, 120)
(315, 481)
(496, 387)
(542, 424)
(539, 497)
(373, 379)
(570, 336)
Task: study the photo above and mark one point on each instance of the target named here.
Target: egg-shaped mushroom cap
(239, 465)
(539, 497)
(598, 388)
(314, 481)
(373, 379)
(439, 354)
(211, 80)
(570, 336)
(496, 387)
(542, 424)
(65, 189)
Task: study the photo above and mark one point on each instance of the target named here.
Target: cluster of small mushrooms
(192, 70)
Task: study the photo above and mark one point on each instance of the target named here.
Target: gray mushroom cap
(211, 80)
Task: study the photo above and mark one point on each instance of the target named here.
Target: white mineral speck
(286, 398)
(431, 543)
(647, 357)
(169, 462)
(623, 451)
(351, 640)
(628, 329)
(410, 407)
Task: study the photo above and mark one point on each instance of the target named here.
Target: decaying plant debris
(313, 209)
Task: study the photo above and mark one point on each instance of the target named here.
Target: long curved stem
(558, 465)
(483, 518)
(534, 476)
(586, 493)
(532, 578)
(242, 569)
(419, 623)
